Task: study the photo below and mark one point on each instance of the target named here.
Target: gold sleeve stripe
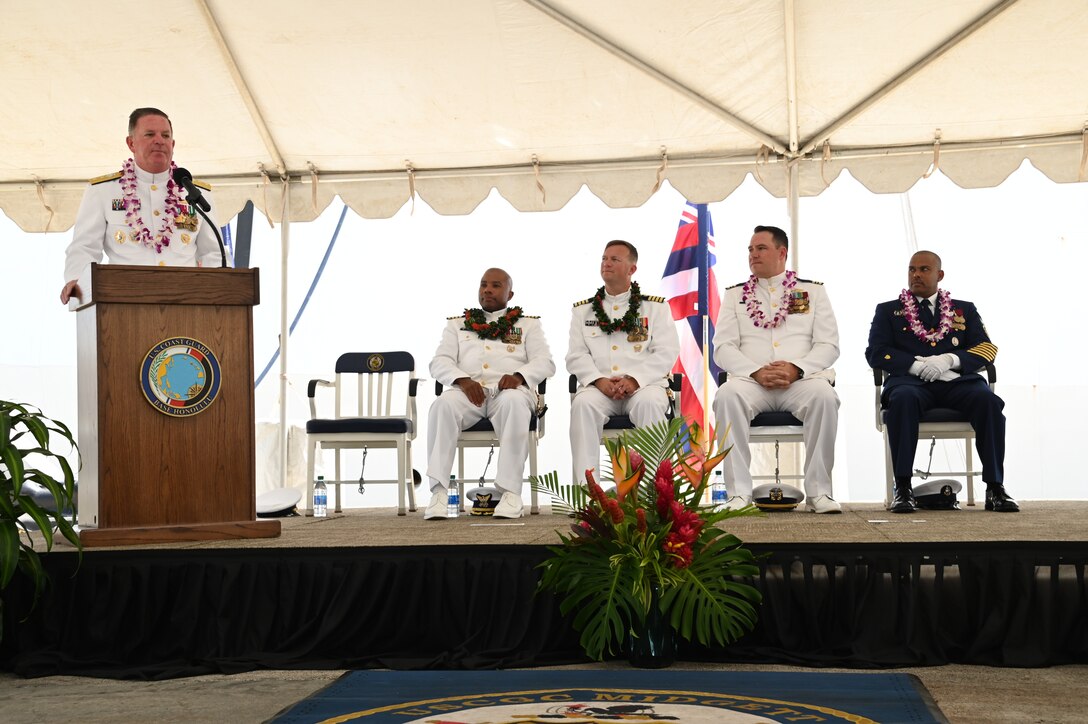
(985, 350)
(103, 179)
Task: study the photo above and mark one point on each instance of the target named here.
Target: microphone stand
(215, 229)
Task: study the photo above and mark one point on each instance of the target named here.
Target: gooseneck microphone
(183, 178)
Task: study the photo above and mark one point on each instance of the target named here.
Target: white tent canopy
(373, 100)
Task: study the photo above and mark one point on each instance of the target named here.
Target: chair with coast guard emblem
(618, 424)
(939, 423)
(778, 427)
(364, 417)
(482, 435)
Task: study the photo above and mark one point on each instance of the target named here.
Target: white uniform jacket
(592, 354)
(808, 337)
(462, 353)
(101, 227)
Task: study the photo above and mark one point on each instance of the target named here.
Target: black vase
(654, 646)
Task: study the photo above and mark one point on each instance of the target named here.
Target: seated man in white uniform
(623, 346)
(777, 338)
(139, 215)
(491, 358)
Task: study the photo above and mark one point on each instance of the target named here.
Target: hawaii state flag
(692, 292)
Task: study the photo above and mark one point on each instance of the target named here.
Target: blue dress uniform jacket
(893, 348)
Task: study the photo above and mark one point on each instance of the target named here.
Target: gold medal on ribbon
(119, 236)
(185, 238)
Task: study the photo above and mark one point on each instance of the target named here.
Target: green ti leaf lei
(629, 322)
(475, 321)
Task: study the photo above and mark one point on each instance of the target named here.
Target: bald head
(924, 273)
(496, 289)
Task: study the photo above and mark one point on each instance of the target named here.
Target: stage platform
(368, 588)
(1044, 521)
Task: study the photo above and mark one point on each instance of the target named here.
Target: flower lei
(755, 309)
(171, 211)
(629, 322)
(475, 321)
(910, 313)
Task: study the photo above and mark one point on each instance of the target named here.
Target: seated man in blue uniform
(932, 359)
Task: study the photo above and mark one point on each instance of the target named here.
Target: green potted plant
(647, 560)
(26, 442)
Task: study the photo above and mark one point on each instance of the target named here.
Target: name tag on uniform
(592, 323)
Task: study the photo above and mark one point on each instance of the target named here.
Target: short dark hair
(779, 236)
(933, 254)
(631, 250)
(136, 115)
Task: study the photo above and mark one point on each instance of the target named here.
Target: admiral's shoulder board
(103, 179)
(202, 184)
(810, 281)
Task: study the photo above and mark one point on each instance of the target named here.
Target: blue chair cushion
(775, 419)
(360, 424)
(619, 422)
(943, 414)
(485, 425)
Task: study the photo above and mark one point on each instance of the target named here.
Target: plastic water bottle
(718, 493)
(321, 498)
(453, 501)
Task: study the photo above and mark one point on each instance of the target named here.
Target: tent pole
(792, 207)
(285, 246)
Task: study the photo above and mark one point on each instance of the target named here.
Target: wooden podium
(166, 419)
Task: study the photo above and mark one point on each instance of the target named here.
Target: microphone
(183, 178)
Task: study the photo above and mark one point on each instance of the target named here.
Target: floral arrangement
(475, 321)
(650, 549)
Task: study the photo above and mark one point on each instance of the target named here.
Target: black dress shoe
(999, 501)
(903, 501)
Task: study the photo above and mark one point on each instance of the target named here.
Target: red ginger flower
(640, 516)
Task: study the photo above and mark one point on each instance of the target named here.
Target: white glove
(934, 368)
(917, 367)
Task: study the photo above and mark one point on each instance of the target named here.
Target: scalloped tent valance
(376, 101)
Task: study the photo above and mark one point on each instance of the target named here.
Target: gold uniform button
(773, 289)
(155, 212)
(162, 263)
(615, 368)
(615, 306)
(774, 305)
(154, 187)
(485, 365)
(614, 348)
(487, 346)
(776, 344)
(887, 356)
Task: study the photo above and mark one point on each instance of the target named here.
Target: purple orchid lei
(171, 210)
(755, 309)
(910, 313)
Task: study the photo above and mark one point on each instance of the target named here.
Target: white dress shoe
(510, 506)
(824, 504)
(437, 508)
(736, 502)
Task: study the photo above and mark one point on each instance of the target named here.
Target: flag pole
(704, 309)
